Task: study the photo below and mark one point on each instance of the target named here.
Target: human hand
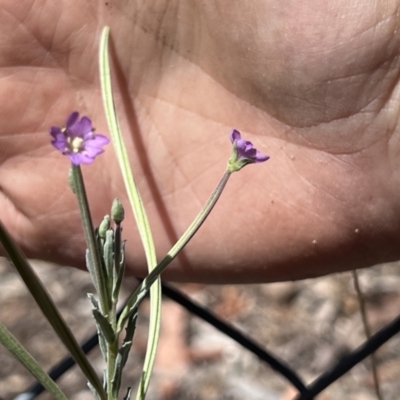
(312, 84)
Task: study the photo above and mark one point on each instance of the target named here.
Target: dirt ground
(310, 324)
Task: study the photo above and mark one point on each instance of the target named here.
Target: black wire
(248, 343)
(348, 362)
(68, 362)
(59, 369)
(306, 393)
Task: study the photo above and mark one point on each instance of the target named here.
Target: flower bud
(117, 211)
(104, 226)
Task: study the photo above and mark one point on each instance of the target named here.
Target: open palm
(314, 85)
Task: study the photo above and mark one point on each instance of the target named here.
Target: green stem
(112, 352)
(96, 267)
(179, 245)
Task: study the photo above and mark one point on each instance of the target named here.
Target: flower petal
(241, 146)
(92, 151)
(60, 143)
(261, 157)
(250, 152)
(99, 139)
(235, 135)
(54, 131)
(71, 120)
(86, 158)
(85, 126)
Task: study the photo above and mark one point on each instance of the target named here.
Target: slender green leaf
(48, 308)
(116, 380)
(130, 328)
(104, 325)
(138, 211)
(108, 256)
(102, 339)
(123, 353)
(119, 272)
(94, 392)
(23, 356)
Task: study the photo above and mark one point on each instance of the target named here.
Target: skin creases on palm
(308, 83)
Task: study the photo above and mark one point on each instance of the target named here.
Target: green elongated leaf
(102, 344)
(123, 353)
(116, 380)
(104, 325)
(48, 308)
(133, 307)
(108, 253)
(130, 328)
(119, 274)
(138, 211)
(102, 340)
(23, 356)
(94, 392)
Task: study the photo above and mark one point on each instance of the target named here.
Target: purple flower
(77, 139)
(243, 153)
